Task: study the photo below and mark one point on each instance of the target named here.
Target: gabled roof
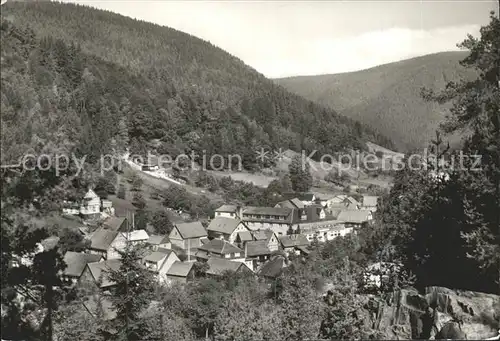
(370, 201)
(180, 269)
(137, 235)
(257, 248)
(102, 238)
(114, 223)
(263, 234)
(293, 240)
(272, 268)
(223, 225)
(227, 209)
(291, 203)
(76, 262)
(220, 247)
(157, 239)
(354, 216)
(157, 256)
(217, 266)
(271, 211)
(244, 236)
(191, 230)
(90, 195)
(352, 200)
(103, 268)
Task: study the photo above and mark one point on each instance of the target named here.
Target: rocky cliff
(440, 313)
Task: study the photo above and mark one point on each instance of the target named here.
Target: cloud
(323, 56)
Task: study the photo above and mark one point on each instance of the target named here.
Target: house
(369, 203)
(330, 233)
(355, 218)
(294, 243)
(256, 253)
(122, 238)
(322, 230)
(219, 266)
(100, 242)
(220, 248)
(116, 224)
(108, 243)
(91, 205)
(278, 219)
(159, 262)
(269, 237)
(180, 272)
(306, 198)
(226, 211)
(187, 235)
(107, 207)
(294, 203)
(75, 264)
(243, 237)
(158, 241)
(226, 228)
(97, 274)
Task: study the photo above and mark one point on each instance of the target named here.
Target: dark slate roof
(220, 247)
(157, 239)
(293, 240)
(257, 248)
(227, 208)
(223, 225)
(217, 266)
(103, 268)
(272, 211)
(157, 256)
(272, 268)
(354, 216)
(102, 238)
(114, 223)
(263, 234)
(180, 269)
(352, 200)
(76, 262)
(244, 236)
(191, 230)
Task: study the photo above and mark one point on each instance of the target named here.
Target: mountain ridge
(388, 96)
(163, 84)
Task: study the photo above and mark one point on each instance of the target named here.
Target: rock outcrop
(440, 313)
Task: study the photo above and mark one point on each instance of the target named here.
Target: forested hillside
(388, 97)
(91, 79)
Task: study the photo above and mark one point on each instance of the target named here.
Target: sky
(292, 38)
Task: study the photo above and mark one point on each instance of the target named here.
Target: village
(236, 239)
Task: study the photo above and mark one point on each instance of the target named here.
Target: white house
(226, 228)
(91, 205)
(159, 262)
(229, 211)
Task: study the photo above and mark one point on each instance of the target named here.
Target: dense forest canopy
(111, 81)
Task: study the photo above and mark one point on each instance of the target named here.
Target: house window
(226, 255)
(237, 254)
